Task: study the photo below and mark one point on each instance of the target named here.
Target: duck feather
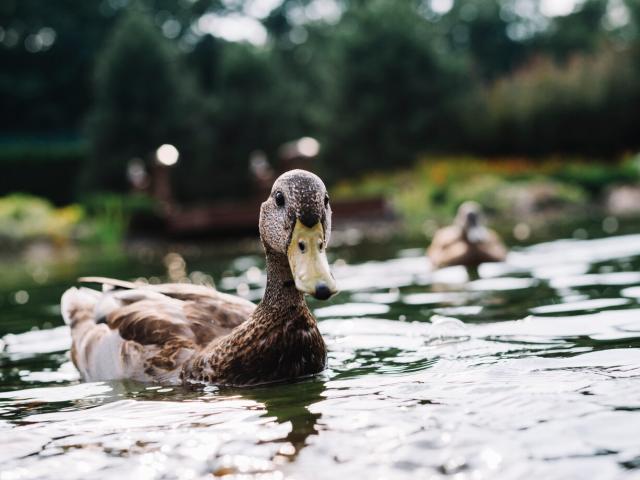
(147, 332)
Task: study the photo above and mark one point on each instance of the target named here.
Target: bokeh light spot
(167, 155)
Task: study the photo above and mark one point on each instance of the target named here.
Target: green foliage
(34, 151)
(250, 105)
(480, 28)
(24, 218)
(595, 177)
(48, 91)
(435, 188)
(109, 216)
(102, 219)
(380, 86)
(43, 168)
(588, 106)
(144, 98)
(396, 95)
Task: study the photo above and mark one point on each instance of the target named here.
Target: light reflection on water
(537, 374)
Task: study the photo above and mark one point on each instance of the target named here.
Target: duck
(468, 242)
(194, 334)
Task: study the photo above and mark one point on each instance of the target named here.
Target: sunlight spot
(556, 8)
(242, 289)
(33, 43)
(287, 449)
(328, 11)
(441, 6)
(260, 8)
(492, 458)
(167, 155)
(48, 36)
(21, 297)
(610, 225)
(522, 231)
(254, 274)
(234, 28)
(309, 147)
(618, 15)
(171, 28)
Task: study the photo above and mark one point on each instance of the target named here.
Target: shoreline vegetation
(514, 191)
(377, 85)
(520, 196)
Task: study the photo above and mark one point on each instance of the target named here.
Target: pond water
(529, 367)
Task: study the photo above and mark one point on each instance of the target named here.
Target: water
(529, 368)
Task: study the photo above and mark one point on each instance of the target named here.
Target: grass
(25, 218)
(512, 190)
(110, 215)
(508, 188)
(100, 220)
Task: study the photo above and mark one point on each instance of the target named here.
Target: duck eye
(301, 246)
(326, 200)
(279, 199)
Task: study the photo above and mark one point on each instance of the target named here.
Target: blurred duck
(467, 242)
(180, 333)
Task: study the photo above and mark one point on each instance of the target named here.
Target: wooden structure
(243, 217)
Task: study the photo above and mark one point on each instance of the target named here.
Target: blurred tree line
(378, 84)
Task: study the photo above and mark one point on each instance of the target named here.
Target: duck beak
(477, 234)
(474, 229)
(308, 262)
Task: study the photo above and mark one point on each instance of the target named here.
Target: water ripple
(486, 391)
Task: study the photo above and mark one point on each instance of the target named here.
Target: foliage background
(87, 85)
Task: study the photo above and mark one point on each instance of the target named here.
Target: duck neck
(280, 340)
(281, 292)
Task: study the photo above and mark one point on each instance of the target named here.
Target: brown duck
(467, 242)
(177, 333)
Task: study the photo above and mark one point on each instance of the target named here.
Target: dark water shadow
(289, 402)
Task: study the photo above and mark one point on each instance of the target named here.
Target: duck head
(296, 221)
(470, 218)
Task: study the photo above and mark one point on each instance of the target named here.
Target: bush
(435, 187)
(144, 98)
(395, 96)
(251, 105)
(595, 177)
(42, 167)
(24, 218)
(110, 216)
(588, 106)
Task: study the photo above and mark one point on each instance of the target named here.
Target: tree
(47, 52)
(144, 97)
(253, 106)
(395, 96)
(576, 33)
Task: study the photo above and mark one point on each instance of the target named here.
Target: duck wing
(495, 250)
(146, 332)
(447, 247)
(183, 291)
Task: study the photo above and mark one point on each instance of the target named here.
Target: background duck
(178, 333)
(467, 242)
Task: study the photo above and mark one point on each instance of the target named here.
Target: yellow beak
(308, 261)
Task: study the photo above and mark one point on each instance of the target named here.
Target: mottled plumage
(178, 333)
(467, 242)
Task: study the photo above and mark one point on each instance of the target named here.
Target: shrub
(588, 106)
(43, 167)
(395, 95)
(144, 98)
(24, 218)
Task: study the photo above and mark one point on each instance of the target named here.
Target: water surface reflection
(531, 367)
